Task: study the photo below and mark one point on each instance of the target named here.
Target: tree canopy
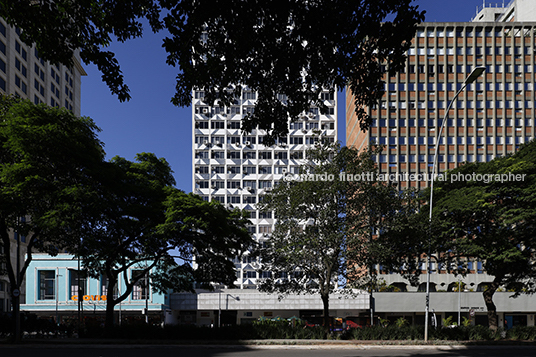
(487, 212)
(320, 241)
(288, 52)
(58, 192)
(142, 222)
(48, 158)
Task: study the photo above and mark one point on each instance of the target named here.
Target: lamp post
(237, 298)
(460, 302)
(57, 297)
(477, 71)
(146, 298)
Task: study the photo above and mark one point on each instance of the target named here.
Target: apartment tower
(25, 75)
(236, 168)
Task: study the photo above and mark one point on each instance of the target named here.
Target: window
(140, 290)
(233, 170)
(218, 170)
(233, 184)
(281, 155)
(104, 287)
(218, 184)
(217, 125)
(250, 199)
(251, 274)
(77, 283)
(296, 140)
(265, 229)
(233, 199)
(296, 155)
(249, 170)
(265, 170)
(201, 184)
(265, 184)
(327, 96)
(233, 125)
(201, 124)
(251, 155)
(47, 279)
(249, 95)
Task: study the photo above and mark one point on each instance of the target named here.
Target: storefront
(56, 290)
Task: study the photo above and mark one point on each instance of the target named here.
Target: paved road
(265, 351)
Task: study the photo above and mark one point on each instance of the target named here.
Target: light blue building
(52, 291)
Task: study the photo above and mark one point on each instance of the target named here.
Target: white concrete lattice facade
(236, 168)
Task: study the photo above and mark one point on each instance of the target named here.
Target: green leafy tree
(318, 242)
(143, 222)
(48, 158)
(403, 237)
(490, 220)
(287, 52)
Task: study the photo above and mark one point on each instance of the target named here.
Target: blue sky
(150, 123)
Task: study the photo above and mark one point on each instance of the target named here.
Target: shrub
(521, 333)
(401, 322)
(459, 333)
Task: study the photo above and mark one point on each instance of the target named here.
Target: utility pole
(147, 297)
(15, 292)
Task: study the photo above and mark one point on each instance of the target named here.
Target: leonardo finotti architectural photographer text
(372, 176)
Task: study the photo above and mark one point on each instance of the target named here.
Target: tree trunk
(110, 303)
(325, 301)
(490, 305)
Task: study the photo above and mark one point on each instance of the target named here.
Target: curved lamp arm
(475, 73)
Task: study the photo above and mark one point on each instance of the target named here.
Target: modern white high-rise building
(236, 168)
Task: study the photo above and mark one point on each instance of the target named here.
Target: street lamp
(460, 302)
(237, 298)
(57, 297)
(477, 71)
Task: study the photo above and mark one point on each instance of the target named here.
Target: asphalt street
(260, 351)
